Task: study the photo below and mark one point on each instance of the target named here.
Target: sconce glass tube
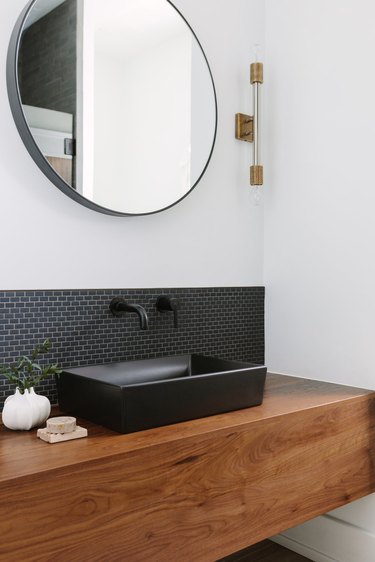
(256, 79)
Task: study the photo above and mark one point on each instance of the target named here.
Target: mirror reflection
(119, 98)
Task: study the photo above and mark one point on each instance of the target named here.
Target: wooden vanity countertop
(197, 490)
(22, 454)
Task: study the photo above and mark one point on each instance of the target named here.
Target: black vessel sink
(134, 395)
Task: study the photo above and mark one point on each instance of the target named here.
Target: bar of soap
(62, 424)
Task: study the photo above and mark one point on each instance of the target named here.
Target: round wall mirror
(114, 101)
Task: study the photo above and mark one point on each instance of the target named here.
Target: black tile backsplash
(227, 322)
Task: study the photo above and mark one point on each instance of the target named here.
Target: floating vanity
(198, 490)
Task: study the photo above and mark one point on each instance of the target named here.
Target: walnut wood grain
(198, 490)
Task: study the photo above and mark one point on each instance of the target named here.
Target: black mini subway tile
(226, 322)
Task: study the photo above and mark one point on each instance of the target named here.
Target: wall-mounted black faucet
(168, 304)
(119, 305)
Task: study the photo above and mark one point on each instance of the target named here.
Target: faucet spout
(119, 306)
(142, 314)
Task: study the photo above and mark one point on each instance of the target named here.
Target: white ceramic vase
(24, 411)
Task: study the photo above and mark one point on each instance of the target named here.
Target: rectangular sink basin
(134, 395)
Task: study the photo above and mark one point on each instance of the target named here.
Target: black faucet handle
(165, 303)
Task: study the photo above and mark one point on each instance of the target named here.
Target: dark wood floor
(265, 551)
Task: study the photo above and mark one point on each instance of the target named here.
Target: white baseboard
(304, 550)
(327, 539)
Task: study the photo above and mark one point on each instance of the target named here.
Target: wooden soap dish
(60, 429)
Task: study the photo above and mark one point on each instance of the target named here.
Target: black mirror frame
(28, 139)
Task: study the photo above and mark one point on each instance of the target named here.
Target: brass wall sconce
(248, 126)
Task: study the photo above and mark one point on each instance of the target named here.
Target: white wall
(212, 238)
(319, 221)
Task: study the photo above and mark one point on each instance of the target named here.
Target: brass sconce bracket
(244, 127)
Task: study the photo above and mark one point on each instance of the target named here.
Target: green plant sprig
(27, 373)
